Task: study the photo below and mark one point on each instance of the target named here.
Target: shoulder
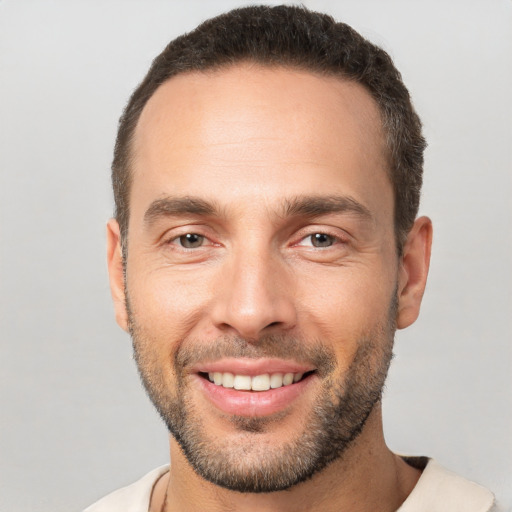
(132, 498)
(440, 490)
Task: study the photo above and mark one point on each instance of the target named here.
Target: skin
(248, 139)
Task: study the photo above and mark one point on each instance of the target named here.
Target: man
(264, 250)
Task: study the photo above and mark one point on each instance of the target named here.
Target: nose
(254, 296)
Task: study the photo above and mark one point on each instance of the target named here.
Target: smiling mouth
(263, 382)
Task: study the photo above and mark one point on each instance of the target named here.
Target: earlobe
(413, 273)
(116, 273)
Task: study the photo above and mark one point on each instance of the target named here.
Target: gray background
(75, 423)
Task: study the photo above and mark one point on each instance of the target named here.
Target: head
(291, 37)
(257, 269)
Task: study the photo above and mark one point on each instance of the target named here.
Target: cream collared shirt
(437, 490)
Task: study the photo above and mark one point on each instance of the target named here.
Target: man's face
(261, 250)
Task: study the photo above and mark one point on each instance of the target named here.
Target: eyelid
(174, 234)
(178, 241)
(175, 240)
(338, 234)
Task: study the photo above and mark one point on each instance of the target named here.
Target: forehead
(276, 129)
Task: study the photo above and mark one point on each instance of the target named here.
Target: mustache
(315, 353)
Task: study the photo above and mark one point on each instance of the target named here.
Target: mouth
(254, 388)
(262, 382)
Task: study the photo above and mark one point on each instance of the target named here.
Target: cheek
(168, 302)
(163, 312)
(344, 308)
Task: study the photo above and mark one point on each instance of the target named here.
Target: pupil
(322, 240)
(191, 240)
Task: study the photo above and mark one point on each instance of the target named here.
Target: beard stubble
(251, 462)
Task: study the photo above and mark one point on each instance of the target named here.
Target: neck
(366, 478)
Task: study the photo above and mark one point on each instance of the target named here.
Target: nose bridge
(254, 297)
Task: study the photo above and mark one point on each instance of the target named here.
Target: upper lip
(252, 367)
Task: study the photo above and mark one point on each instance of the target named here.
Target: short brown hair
(289, 36)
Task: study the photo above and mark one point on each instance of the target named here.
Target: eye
(190, 240)
(319, 240)
(322, 240)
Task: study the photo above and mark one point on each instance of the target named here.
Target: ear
(413, 271)
(116, 274)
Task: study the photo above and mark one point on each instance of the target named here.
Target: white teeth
(262, 382)
(242, 382)
(276, 380)
(228, 380)
(287, 379)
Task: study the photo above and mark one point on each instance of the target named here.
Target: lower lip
(253, 403)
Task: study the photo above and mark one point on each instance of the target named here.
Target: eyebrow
(179, 206)
(306, 206)
(315, 206)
